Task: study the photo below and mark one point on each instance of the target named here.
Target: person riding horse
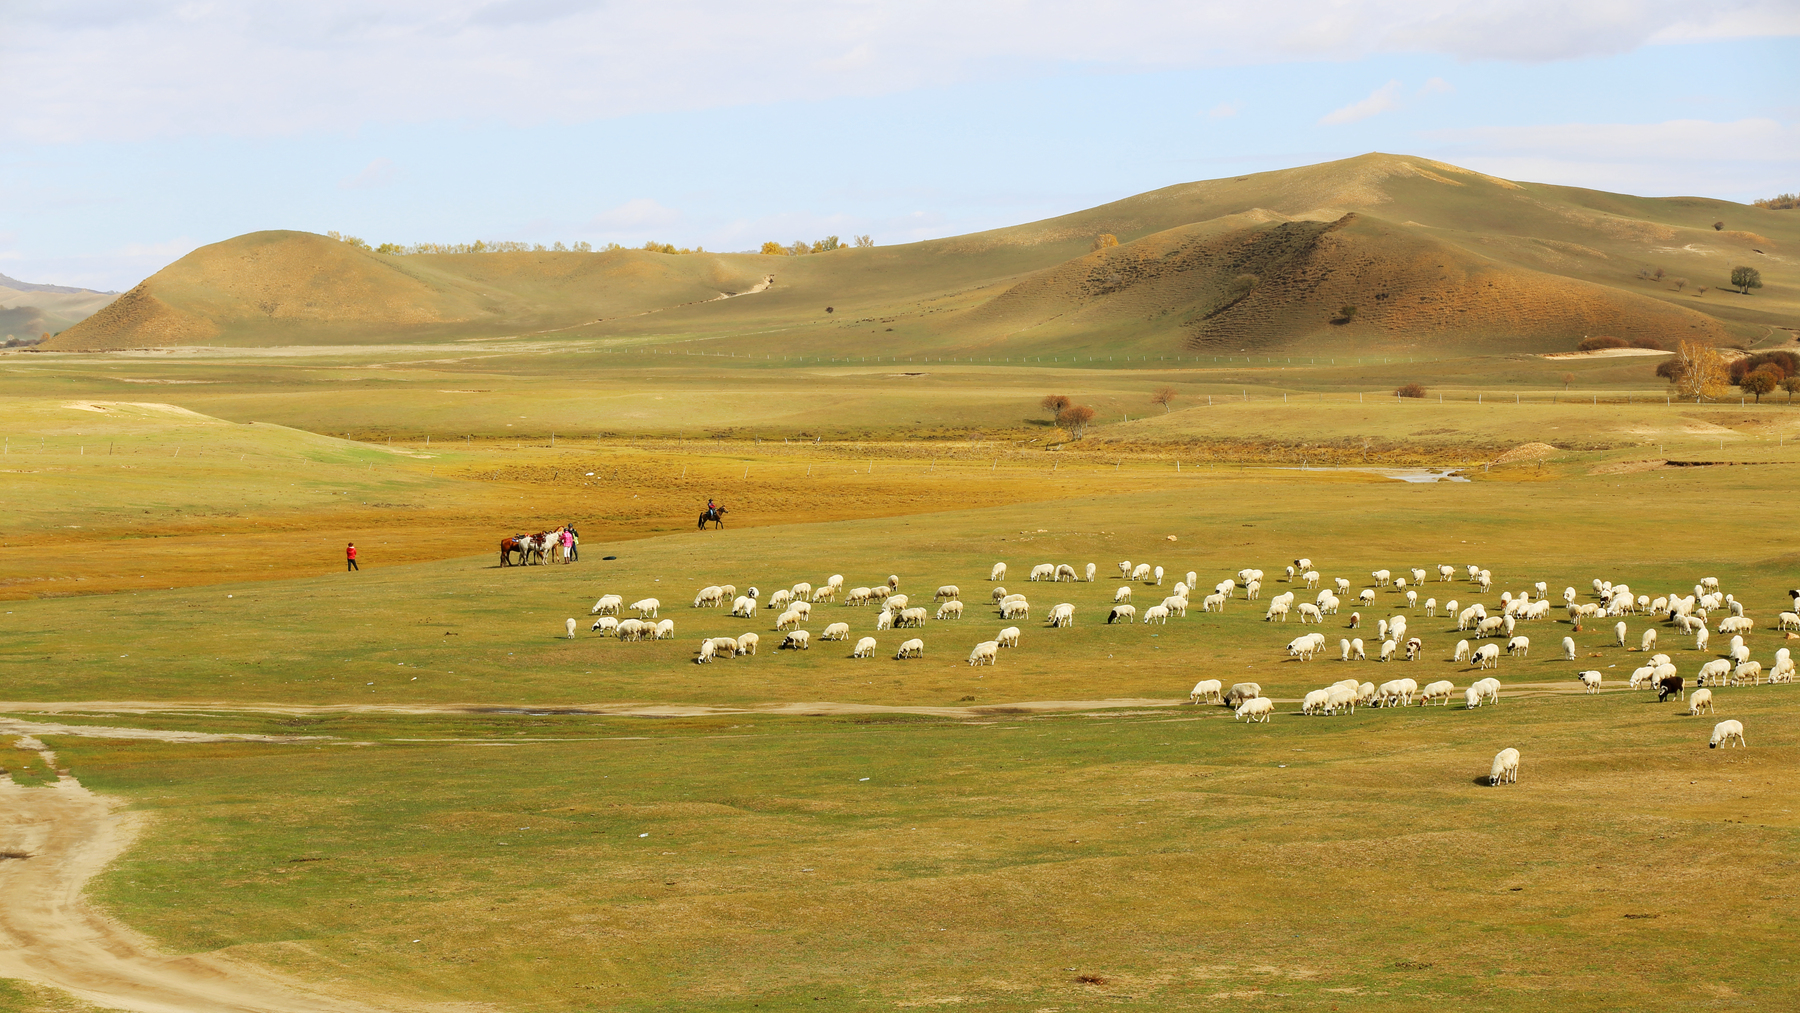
(713, 513)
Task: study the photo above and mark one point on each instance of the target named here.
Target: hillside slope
(1428, 253)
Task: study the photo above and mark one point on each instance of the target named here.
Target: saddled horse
(716, 515)
(508, 546)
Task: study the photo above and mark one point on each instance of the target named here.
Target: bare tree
(1163, 396)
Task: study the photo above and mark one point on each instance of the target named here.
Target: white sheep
(1206, 691)
(798, 640)
(1277, 610)
(1065, 572)
(646, 609)
(1312, 579)
(1158, 614)
(1042, 571)
(1590, 679)
(1462, 651)
(1382, 577)
(914, 648)
(950, 610)
(1388, 648)
(1356, 650)
(884, 621)
(1446, 572)
(725, 647)
(1193, 580)
(1124, 569)
(1367, 597)
(803, 609)
(1213, 603)
(1158, 574)
(1327, 602)
(1121, 613)
(893, 582)
(1178, 605)
(1471, 698)
(1310, 612)
(1256, 709)
(835, 580)
(1699, 699)
(707, 652)
(1242, 691)
(1642, 678)
(570, 626)
(1736, 624)
(606, 625)
(780, 599)
(608, 605)
(1714, 672)
(747, 643)
(985, 653)
(630, 629)
(743, 607)
(1748, 671)
(865, 648)
(836, 631)
(801, 591)
(1440, 691)
(1091, 570)
(997, 594)
(1487, 656)
(1062, 615)
(1518, 647)
(858, 596)
(1141, 572)
(1123, 594)
(1725, 732)
(1341, 698)
(1315, 702)
(1418, 575)
(1412, 599)
(826, 592)
(998, 572)
(911, 617)
(1489, 689)
(1619, 632)
(664, 630)
(895, 602)
(1414, 648)
(1305, 647)
(1253, 590)
(1344, 648)
(1008, 637)
(1788, 620)
(1015, 610)
(1506, 767)
(708, 597)
(787, 620)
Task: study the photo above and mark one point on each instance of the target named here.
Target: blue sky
(132, 133)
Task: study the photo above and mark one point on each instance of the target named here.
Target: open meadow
(407, 788)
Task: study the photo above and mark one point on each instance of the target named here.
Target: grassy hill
(26, 311)
(1430, 256)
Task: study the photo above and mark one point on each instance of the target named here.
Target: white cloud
(1222, 111)
(1379, 101)
(110, 70)
(1436, 86)
(1669, 158)
(379, 172)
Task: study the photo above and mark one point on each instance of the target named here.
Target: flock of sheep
(1687, 613)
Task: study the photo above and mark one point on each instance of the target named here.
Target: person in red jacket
(350, 557)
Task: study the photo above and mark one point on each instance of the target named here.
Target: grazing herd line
(1686, 613)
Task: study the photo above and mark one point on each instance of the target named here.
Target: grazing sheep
(606, 625)
(1590, 679)
(836, 580)
(1400, 583)
(1619, 635)
(1141, 572)
(1315, 702)
(1257, 709)
(895, 602)
(1015, 610)
(1008, 637)
(1124, 569)
(1253, 590)
(708, 597)
(1158, 574)
(1388, 647)
(893, 582)
(998, 594)
(1698, 700)
(1643, 677)
(1213, 603)
(1327, 602)
(1178, 605)
(1091, 570)
(1471, 698)
(630, 629)
(950, 610)
(1206, 691)
(707, 652)
(803, 609)
(1310, 612)
(801, 591)
(1312, 579)
(1462, 651)
(998, 572)
(744, 607)
(780, 599)
(1412, 599)
(826, 592)
(608, 605)
(1305, 647)
(1226, 587)
(1065, 572)
(1749, 671)
(1506, 767)
(1193, 580)
(1062, 615)
(1011, 598)
(1414, 648)
(985, 653)
(1489, 688)
(1277, 610)
(1158, 614)
(1344, 647)
(884, 621)
(1242, 691)
(865, 648)
(724, 647)
(836, 631)
(1713, 671)
(1121, 613)
(1669, 686)
(1487, 656)
(858, 596)
(1648, 642)
(911, 617)
(1123, 594)
(1788, 620)
(646, 609)
(1736, 624)
(787, 621)
(1700, 639)
(1440, 691)
(1341, 698)
(914, 648)
(747, 643)
(1518, 647)
(1042, 571)
(1418, 575)
(570, 626)
(799, 640)
(1367, 597)
(664, 630)
(1726, 732)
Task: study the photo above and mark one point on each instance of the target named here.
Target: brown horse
(508, 546)
(716, 515)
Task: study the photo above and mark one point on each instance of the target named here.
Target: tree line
(800, 247)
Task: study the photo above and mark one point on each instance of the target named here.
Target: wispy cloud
(1379, 101)
(1436, 86)
(1222, 111)
(379, 172)
(633, 216)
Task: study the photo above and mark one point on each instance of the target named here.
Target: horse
(508, 546)
(716, 515)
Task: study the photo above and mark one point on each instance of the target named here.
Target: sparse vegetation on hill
(1410, 390)
(1779, 202)
(1745, 278)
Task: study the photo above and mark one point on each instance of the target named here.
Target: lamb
(1065, 572)
(707, 652)
(1518, 647)
(1042, 571)
(865, 648)
(607, 625)
(747, 643)
(914, 648)
(1462, 651)
(1123, 594)
(608, 605)
(1701, 698)
(1506, 767)
(1669, 686)
(1158, 614)
(1008, 637)
(836, 631)
(1257, 709)
(950, 610)
(1062, 615)
(646, 609)
(1487, 656)
(1440, 690)
(998, 572)
(665, 630)
(797, 641)
(1242, 691)
(1590, 679)
(1382, 577)
(985, 653)
(1568, 648)
(1725, 732)
(1213, 603)
(1121, 613)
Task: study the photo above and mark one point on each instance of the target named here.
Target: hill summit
(1377, 251)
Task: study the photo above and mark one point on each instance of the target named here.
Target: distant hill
(25, 286)
(29, 310)
(1375, 252)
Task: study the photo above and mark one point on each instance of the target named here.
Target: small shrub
(1648, 343)
(1600, 341)
(1105, 240)
(1411, 390)
(1344, 315)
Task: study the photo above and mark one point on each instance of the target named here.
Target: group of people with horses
(542, 547)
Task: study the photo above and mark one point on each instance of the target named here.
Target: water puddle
(1403, 474)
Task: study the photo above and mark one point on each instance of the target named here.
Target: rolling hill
(28, 310)
(1374, 252)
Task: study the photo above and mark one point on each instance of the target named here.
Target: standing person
(568, 544)
(350, 557)
(574, 543)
